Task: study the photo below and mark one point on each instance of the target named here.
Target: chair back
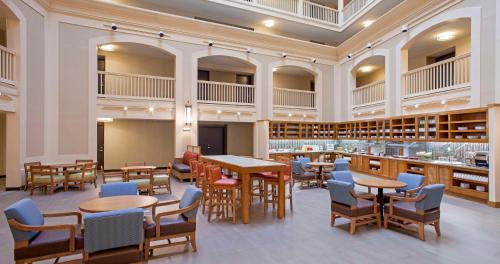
(41, 170)
(434, 195)
(343, 176)
(340, 192)
(113, 229)
(118, 188)
(341, 165)
(193, 165)
(137, 174)
(191, 195)
(27, 167)
(27, 213)
(214, 173)
(304, 161)
(412, 181)
(297, 167)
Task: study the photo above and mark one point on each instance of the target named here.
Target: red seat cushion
(189, 156)
(227, 182)
(274, 178)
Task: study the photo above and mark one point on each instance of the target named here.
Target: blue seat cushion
(26, 213)
(190, 196)
(181, 167)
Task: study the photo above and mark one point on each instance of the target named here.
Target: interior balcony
(135, 81)
(368, 93)
(9, 32)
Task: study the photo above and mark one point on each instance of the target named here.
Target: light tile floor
(470, 234)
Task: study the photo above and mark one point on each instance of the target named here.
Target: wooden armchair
(161, 178)
(414, 182)
(163, 227)
(143, 178)
(45, 177)
(180, 166)
(361, 209)
(424, 209)
(83, 173)
(303, 174)
(35, 241)
(27, 173)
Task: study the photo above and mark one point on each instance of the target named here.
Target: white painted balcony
(367, 95)
(438, 77)
(135, 86)
(292, 98)
(226, 93)
(300, 8)
(7, 58)
(353, 7)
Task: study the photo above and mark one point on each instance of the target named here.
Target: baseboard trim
(494, 204)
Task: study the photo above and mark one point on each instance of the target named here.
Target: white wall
(3, 153)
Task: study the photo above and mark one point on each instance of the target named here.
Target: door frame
(207, 125)
(97, 143)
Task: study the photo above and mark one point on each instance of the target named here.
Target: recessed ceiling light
(366, 69)
(305, 116)
(443, 102)
(417, 106)
(238, 113)
(275, 69)
(219, 112)
(107, 47)
(125, 108)
(151, 109)
(367, 23)
(269, 23)
(373, 112)
(445, 36)
(289, 114)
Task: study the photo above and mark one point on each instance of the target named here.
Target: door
(100, 145)
(212, 139)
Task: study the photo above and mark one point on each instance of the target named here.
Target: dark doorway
(100, 145)
(203, 75)
(212, 139)
(244, 79)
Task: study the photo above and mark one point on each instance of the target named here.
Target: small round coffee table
(320, 166)
(113, 203)
(380, 184)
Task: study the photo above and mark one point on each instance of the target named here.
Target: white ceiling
(236, 16)
(225, 63)
(292, 70)
(141, 50)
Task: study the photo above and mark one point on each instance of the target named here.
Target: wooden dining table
(127, 168)
(245, 166)
(380, 184)
(121, 202)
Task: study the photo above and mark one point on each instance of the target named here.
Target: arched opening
(135, 81)
(294, 86)
(225, 86)
(437, 59)
(369, 85)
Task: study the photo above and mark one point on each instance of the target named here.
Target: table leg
(281, 195)
(320, 171)
(245, 197)
(380, 198)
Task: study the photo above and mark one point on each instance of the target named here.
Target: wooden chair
(414, 182)
(161, 178)
(164, 227)
(302, 174)
(359, 209)
(86, 172)
(143, 178)
(222, 194)
(271, 180)
(45, 177)
(202, 171)
(27, 173)
(424, 209)
(35, 241)
(112, 176)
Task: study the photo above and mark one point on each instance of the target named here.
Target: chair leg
(193, 241)
(290, 189)
(233, 208)
(379, 223)
(95, 183)
(31, 189)
(353, 226)
(421, 231)
(332, 219)
(266, 197)
(146, 249)
(210, 203)
(82, 186)
(386, 221)
(437, 227)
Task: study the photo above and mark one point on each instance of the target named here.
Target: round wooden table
(320, 168)
(120, 202)
(380, 184)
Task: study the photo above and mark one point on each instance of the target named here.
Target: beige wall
(462, 46)
(2, 144)
(137, 64)
(375, 76)
(138, 140)
(220, 76)
(297, 82)
(240, 139)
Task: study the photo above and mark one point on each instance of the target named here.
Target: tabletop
(317, 163)
(379, 183)
(137, 168)
(243, 162)
(121, 202)
(62, 165)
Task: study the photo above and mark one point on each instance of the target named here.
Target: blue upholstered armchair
(163, 226)
(118, 188)
(114, 237)
(36, 241)
(343, 176)
(361, 209)
(340, 165)
(414, 182)
(424, 209)
(302, 174)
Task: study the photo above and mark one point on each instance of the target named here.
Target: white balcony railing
(124, 85)
(7, 57)
(437, 77)
(369, 94)
(306, 9)
(354, 7)
(226, 93)
(284, 97)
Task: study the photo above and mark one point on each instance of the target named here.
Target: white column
(494, 144)
(340, 8)
(261, 139)
(300, 8)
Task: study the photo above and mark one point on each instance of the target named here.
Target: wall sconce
(188, 116)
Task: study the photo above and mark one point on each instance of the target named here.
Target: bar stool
(222, 193)
(202, 171)
(271, 180)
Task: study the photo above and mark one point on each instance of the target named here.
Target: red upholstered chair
(271, 180)
(222, 193)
